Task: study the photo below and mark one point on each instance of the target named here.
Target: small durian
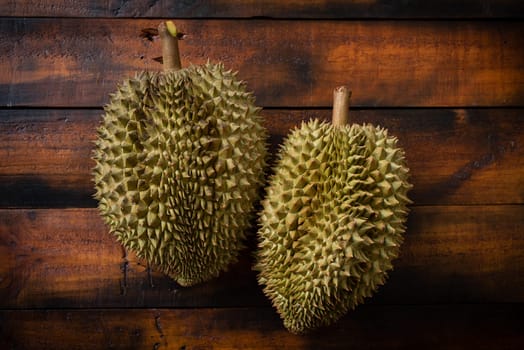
(180, 158)
(332, 220)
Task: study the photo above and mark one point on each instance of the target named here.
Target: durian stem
(341, 97)
(170, 53)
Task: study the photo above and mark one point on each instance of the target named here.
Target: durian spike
(170, 54)
(341, 97)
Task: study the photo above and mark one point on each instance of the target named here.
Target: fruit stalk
(170, 53)
(341, 97)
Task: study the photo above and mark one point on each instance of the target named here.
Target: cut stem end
(341, 97)
(170, 53)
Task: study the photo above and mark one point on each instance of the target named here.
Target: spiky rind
(179, 161)
(332, 221)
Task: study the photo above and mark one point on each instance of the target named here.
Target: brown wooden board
(267, 8)
(65, 258)
(76, 62)
(45, 157)
(465, 156)
(368, 327)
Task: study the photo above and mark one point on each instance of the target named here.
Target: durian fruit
(179, 162)
(332, 220)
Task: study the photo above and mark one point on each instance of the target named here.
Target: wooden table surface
(446, 77)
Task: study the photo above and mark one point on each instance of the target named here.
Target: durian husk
(332, 221)
(179, 161)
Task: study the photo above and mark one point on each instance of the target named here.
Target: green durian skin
(179, 161)
(332, 221)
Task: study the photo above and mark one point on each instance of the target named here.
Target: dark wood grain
(65, 258)
(471, 156)
(77, 62)
(267, 8)
(368, 327)
(45, 157)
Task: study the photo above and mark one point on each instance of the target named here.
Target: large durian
(179, 161)
(332, 220)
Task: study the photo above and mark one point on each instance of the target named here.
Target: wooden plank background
(77, 62)
(445, 77)
(80, 265)
(336, 9)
